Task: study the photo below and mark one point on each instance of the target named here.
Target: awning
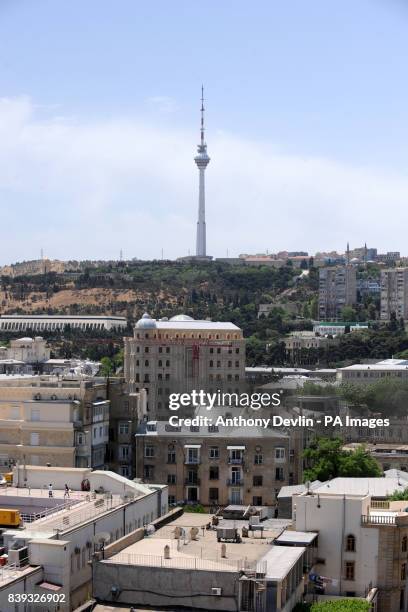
(235, 447)
(192, 446)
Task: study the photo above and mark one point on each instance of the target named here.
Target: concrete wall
(155, 586)
(38, 477)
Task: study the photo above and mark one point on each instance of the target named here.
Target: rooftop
(296, 537)
(376, 487)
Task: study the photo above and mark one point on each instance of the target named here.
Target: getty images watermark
(209, 400)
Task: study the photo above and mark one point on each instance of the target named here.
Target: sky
(306, 126)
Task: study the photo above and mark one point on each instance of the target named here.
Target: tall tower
(202, 160)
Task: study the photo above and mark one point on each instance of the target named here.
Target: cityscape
(215, 418)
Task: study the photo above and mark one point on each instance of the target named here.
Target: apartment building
(180, 355)
(337, 289)
(363, 540)
(215, 466)
(394, 293)
(127, 411)
(46, 419)
(52, 551)
(298, 346)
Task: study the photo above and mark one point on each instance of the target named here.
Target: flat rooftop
(296, 537)
(203, 552)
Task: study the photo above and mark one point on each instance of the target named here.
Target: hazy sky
(307, 126)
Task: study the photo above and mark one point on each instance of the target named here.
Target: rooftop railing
(377, 519)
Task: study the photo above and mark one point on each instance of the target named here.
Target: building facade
(394, 293)
(215, 466)
(337, 289)
(180, 355)
(18, 323)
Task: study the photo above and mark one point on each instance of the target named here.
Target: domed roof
(182, 317)
(24, 339)
(146, 322)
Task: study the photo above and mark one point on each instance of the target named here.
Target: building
(127, 411)
(325, 328)
(299, 346)
(389, 455)
(369, 286)
(216, 465)
(185, 564)
(363, 539)
(18, 323)
(44, 419)
(28, 350)
(202, 160)
(366, 374)
(52, 551)
(337, 289)
(394, 293)
(180, 355)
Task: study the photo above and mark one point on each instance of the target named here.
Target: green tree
(326, 459)
(348, 314)
(107, 368)
(341, 605)
(399, 495)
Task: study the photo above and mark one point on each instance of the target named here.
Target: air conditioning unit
(216, 591)
(18, 556)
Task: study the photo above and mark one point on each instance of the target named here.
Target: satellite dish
(102, 538)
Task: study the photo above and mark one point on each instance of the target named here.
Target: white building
(363, 373)
(18, 323)
(363, 538)
(59, 536)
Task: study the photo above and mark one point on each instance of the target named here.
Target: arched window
(404, 544)
(350, 543)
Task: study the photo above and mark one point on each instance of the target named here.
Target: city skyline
(307, 128)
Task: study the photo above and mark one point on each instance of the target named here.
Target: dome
(146, 322)
(24, 340)
(181, 317)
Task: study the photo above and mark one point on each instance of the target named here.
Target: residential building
(363, 539)
(60, 421)
(337, 289)
(18, 323)
(394, 293)
(52, 550)
(185, 565)
(127, 411)
(215, 466)
(180, 355)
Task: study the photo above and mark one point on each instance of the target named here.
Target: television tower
(202, 160)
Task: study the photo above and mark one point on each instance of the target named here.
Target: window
(124, 427)
(279, 453)
(258, 459)
(124, 471)
(214, 473)
(257, 500)
(404, 544)
(124, 452)
(279, 474)
(171, 455)
(193, 455)
(349, 570)
(212, 428)
(35, 414)
(257, 481)
(172, 500)
(149, 451)
(214, 452)
(351, 543)
(213, 495)
(34, 439)
(15, 413)
(403, 571)
(148, 472)
(171, 479)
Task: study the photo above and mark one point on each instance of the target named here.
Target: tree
(327, 459)
(348, 314)
(341, 605)
(399, 495)
(107, 367)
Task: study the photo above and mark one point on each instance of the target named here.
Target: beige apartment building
(215, 466)
(394, 293)
(180, 355)
(337, 289)
(45, 419)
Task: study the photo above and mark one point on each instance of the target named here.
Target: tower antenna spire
(202, 115)
(202, 160)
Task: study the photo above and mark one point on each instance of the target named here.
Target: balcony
(239, 461)
(192, 461)
(235, 482)
(377, 519)
(192, 482)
